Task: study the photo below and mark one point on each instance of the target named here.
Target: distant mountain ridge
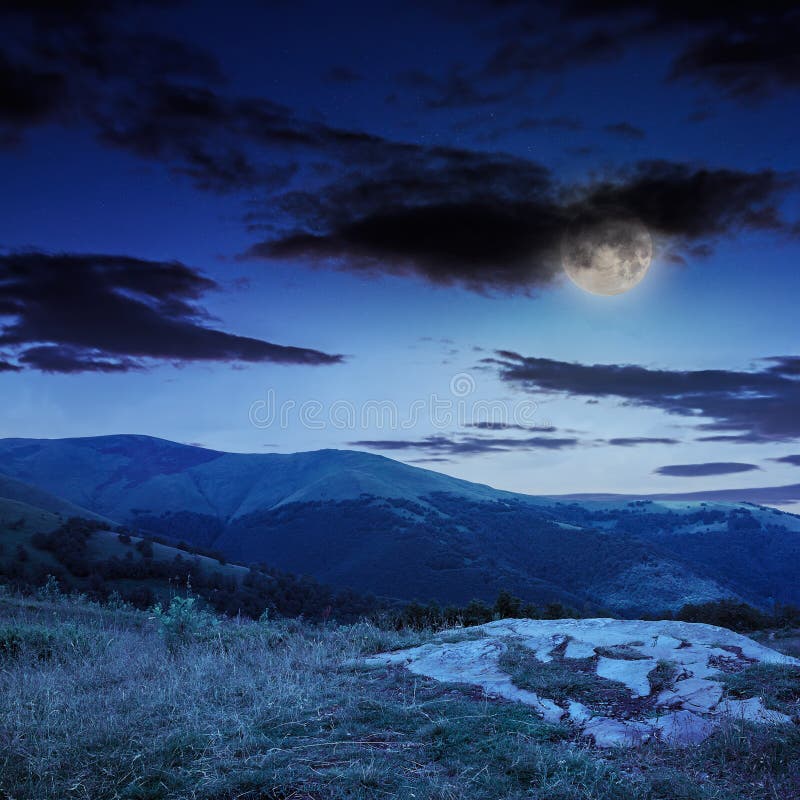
(225, 484)
(361, 520)
(758, 495)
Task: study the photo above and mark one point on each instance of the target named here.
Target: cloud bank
(739, 406)
(495, 223)
(108, 313)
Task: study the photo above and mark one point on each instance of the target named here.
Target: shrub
(15, 638)
(507, 606)
(51, 591)
(145, 547)
(183, 623)
(727, 614)
(39, 642)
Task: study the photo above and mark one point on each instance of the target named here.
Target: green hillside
(360, 521)
(37, 546)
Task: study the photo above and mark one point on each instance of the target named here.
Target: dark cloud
(633, 441)
(89, 49)
(748, 59)
(158, 97)
(224, 143)
(625, 130)
(7, 366)
(526, 124)
(466, 445)
(759, 405)
(451, 216)
(735, 438)
(59, 358)
(343, 74)
(702, 470)
(746, 49)
(581, 151)
(699, 115)
(508, 426)
(629, 441)
(27, 97)
(455, 90)
(563, 122)
(495, 222)
(521, 55)
(794, 460)
(107, 313)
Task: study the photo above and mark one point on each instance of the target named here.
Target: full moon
(607, 257)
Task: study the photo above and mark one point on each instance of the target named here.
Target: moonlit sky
(412, 312)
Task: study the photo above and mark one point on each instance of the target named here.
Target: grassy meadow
(100, 702)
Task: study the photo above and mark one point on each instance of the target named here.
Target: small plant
(183, 623)
(50, 591)
(662, 676)
(116, 602)
(622, 652)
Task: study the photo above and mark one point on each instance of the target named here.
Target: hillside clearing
(94, 703)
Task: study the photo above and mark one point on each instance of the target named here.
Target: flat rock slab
(633, 673)
(623, 651)
(695, 694)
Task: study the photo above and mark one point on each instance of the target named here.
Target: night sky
(280, 226)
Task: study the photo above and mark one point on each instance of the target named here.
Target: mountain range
(358, 520)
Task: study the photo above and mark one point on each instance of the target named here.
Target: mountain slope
(14, 490)
(365, 521)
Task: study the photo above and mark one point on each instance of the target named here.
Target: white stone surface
(685, 713)
(752, 710)
(695, 694)
(579, 649)
(608, 732)
(632, 673)
(682, 727)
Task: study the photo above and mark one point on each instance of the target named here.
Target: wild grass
(561, 679)
(109, 708)
(778, 686)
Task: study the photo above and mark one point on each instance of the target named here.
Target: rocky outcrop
(665, 675)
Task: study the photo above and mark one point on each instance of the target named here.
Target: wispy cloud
(705, 469)
(740, 406)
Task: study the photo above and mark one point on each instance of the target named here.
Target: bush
(39, 642)
(183, 623)
(50, 591)
(145, 547)
(729, 614)
(16, 639)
